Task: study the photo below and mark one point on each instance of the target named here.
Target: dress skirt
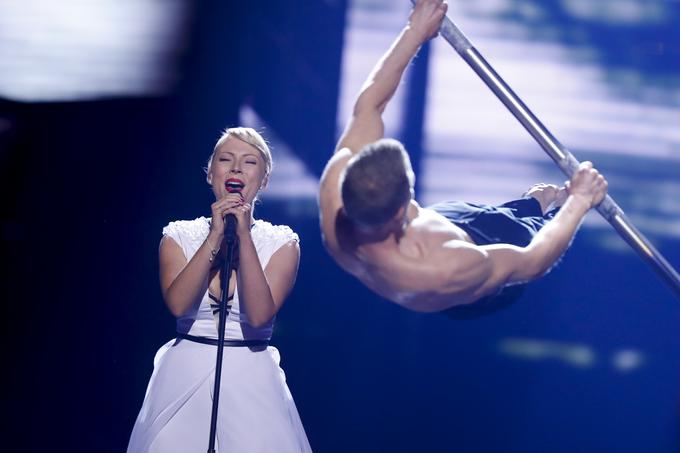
(256, 410)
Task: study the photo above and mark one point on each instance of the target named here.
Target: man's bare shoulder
(434, 228)
(330, 199)
(331, 174)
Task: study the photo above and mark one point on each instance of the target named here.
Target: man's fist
(587, 184)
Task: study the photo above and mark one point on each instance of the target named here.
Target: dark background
(87, 187)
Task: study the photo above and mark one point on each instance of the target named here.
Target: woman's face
(237, 167)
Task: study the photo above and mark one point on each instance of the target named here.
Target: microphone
(232, 185)
(230, 227)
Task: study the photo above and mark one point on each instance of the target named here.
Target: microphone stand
(227, 267)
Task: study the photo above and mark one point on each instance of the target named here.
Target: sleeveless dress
(256, 410)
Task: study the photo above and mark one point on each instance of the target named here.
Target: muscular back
(429, 265)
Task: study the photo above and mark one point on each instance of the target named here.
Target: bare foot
(547, 195)
(561, 197)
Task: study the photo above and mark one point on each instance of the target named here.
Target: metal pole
(558, 152)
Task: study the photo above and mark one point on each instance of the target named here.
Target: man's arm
(458, 272)
(510, 264)
(463, 272)
(366, 124)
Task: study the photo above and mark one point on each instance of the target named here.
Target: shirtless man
(414, 256)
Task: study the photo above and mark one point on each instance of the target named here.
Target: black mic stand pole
(230, 239)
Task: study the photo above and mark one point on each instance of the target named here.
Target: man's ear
(400, 213)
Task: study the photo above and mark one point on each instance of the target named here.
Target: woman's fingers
(232, 203)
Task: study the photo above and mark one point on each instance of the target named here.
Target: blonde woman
(256, 409)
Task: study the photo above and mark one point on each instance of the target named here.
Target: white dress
(256, 410)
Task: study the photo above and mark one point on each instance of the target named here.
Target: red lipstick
(234, 185)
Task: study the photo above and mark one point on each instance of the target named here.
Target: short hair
(249, 136)
(377, 182)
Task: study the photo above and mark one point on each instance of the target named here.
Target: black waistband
(226, 342)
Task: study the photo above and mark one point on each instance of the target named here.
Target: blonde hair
(249, 136)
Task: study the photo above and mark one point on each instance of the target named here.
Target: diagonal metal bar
(558, 152)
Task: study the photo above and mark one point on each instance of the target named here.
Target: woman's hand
(232, 203)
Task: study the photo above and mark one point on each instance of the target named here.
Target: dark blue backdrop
(88, 186)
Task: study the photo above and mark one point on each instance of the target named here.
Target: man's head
(376, 183)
